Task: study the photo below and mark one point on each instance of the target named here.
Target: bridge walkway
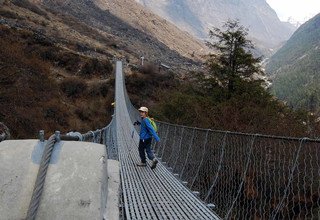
(149, 194)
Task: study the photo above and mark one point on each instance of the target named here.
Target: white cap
(143, 109)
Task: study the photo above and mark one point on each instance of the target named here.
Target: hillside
(149, 23)
(132, 41)
(295, 67)
(56, 63)
(197, 16)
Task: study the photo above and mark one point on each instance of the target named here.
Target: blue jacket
(147, 130)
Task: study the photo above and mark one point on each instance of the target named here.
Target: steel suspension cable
(38, 189)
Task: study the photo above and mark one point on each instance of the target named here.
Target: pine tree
(233, 59)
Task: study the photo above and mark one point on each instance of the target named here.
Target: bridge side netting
(246, 176)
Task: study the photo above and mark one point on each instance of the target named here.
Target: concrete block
(112, 211)
(75, 186)
(18, 174)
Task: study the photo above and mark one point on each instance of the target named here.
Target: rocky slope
(137, 37)
(151, 24)
(197, 16)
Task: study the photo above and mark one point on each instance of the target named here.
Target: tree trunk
(231, 86)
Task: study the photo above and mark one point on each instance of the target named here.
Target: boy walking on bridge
(146, 133)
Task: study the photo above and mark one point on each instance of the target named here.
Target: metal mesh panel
(246, 176)
(174, 149)
(194, 156)
(213, 154)
(164, 133)
(185, 144)
(166, 148)
(111, 140)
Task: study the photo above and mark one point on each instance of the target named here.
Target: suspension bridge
(202, 174)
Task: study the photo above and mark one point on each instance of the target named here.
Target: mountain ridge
(198, 16)
(148, 22)
(295, 67)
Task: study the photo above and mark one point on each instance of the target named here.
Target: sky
(295, 10)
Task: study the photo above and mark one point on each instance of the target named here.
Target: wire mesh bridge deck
(149, 194)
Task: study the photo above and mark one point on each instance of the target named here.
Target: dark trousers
(145, 147)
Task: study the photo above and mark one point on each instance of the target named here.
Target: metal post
(102, 136)
(41, 135)
(57, 136)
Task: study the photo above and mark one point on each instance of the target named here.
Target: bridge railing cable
(106, 136)
(41, 176)
(246, 176)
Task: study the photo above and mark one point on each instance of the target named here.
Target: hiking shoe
(154, 163)
(141, 164)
